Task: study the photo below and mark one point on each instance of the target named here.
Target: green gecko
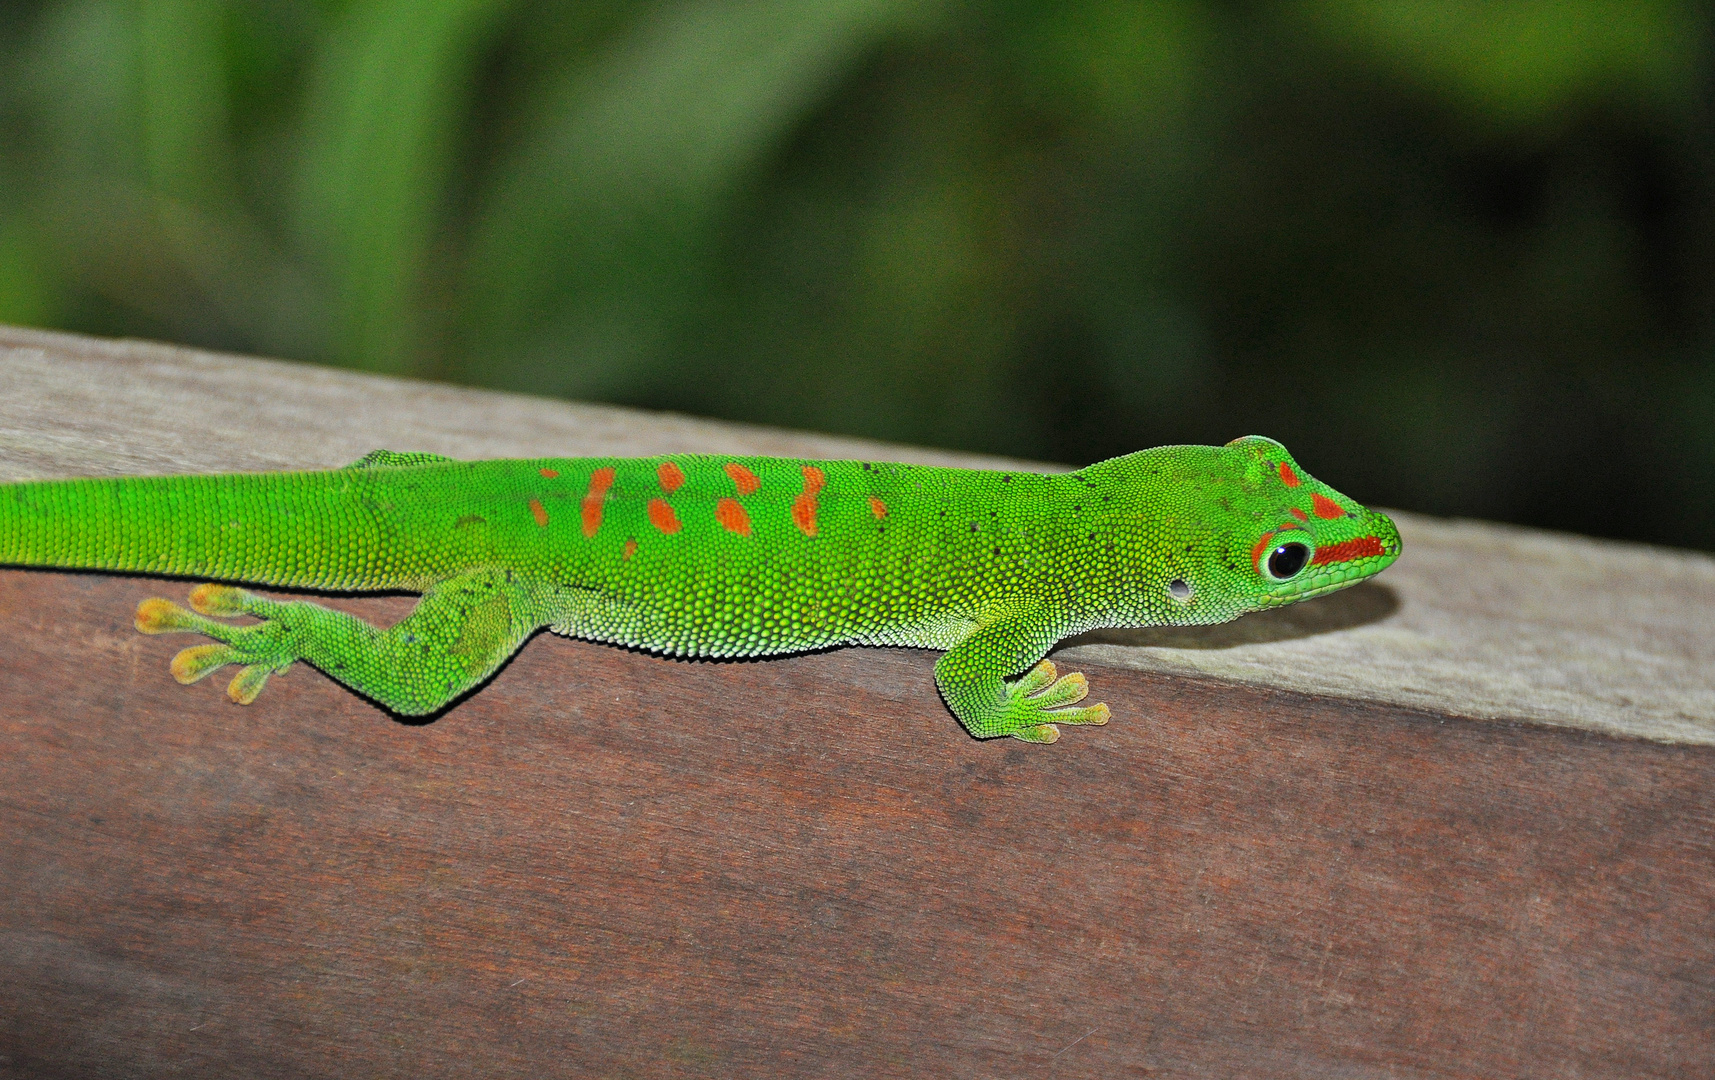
(710, 556)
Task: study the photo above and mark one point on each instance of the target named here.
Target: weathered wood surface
(1476, 620)
(607, 864)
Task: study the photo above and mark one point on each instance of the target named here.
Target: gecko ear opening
(1179, 589)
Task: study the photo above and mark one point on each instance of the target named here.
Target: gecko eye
(1285, 561)
(1179, 589)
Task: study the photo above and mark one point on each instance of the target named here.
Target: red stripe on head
(662, 517)
(539, 512)
(1363, 547)
(1325, 507)
(671, 476)
(630, 548)
(732, 517)
(742, 478)
(1287, 476)
(552, 474)
(1297, 513)
(877, 507)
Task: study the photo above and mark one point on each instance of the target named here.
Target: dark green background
(1456, 255)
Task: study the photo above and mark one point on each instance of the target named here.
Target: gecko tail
(252, 527)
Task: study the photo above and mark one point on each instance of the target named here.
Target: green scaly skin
(711, 556)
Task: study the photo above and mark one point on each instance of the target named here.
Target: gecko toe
(248, 683)
(1037, 733)
(157, 616)
(1067, 690)
(1090, 715)
(1036, 679)
(223, 601)
(199, 661)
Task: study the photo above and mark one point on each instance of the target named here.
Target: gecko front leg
(1013, 636)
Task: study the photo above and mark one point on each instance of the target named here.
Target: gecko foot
(1041, 694)
(264, 648)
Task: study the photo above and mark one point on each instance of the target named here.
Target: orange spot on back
(1297, 513)
(552, 474)
(1287, 476)
(630, 547)
(539, 512)
(877, 507)
(804, 514)
(732, 517)
(671, 476)
(742, 477)
(600, 481)
(1326, 507)
(662, 517)
(1363, 547)
(804, 506)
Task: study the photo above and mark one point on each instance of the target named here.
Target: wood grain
(608, 864)
(1475, 620)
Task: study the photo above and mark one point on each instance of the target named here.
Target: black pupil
(1287, 560)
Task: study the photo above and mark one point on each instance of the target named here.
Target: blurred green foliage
(1455, 253)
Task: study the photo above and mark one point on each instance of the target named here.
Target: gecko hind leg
(461, 631)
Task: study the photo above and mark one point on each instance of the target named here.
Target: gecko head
(1294, 536)
(1226, 530)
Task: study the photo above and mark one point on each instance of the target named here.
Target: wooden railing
(1459, 822)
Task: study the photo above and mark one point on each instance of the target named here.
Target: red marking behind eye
(1326, 507)
(671, 476)
(743, 478)
(538, 512)
(1262, 545)
(600, 481)
(630, 548)
(552, 474)
(804, 506)
(1297, 513)
(1269, 540)
(662, 517)
(877, 507)
(1287, 476)
(732, 516)
(1363, 547)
